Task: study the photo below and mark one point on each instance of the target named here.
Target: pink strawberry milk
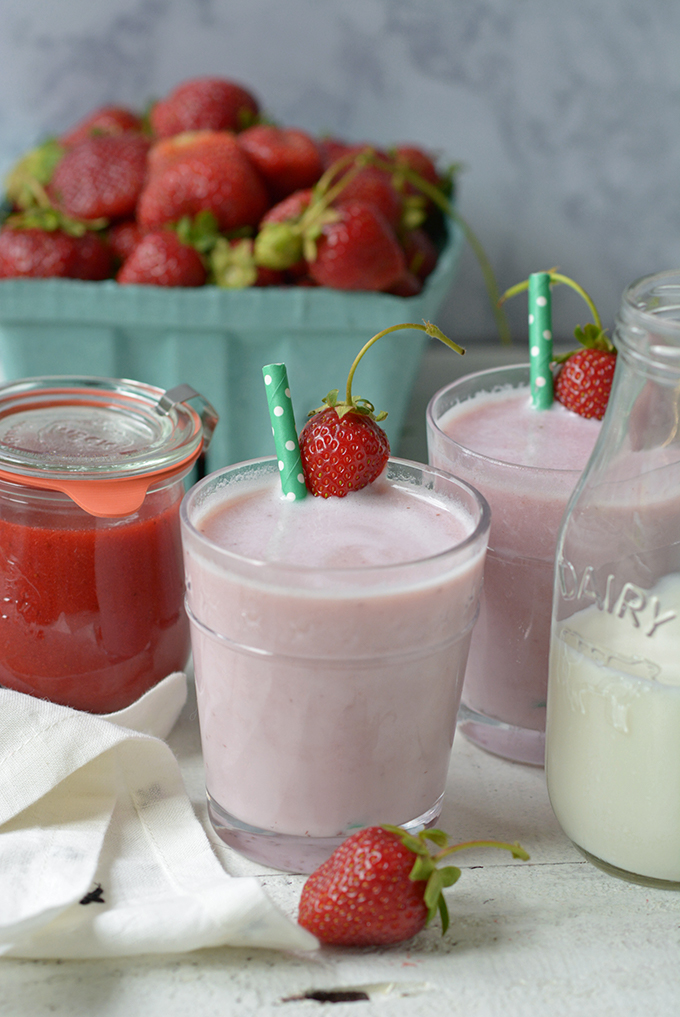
(330, 639)
(526, 463)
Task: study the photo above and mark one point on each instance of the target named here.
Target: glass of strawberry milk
(484, 429)
(330, 638)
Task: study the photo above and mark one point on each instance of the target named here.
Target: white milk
(613, 737)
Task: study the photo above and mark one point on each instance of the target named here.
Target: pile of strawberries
(202, 190)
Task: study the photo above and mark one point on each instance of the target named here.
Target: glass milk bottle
(613, 721)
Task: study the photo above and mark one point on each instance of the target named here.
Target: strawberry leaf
(232, 265)
(450, 874)
(437, 837)
(414, 844)
(593, 338)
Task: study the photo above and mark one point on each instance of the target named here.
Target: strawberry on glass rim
(383, 885)
(342, 446)
(583, 378)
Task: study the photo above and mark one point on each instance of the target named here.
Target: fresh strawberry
(279, 241)
(374, 186)
(287, 158)
(342, 446)
(420, 162)
(290, 209)
(421, 252)
(36, 253)
(106, 120)
(123, 237)
(333, 149)
(381, 886)
(161, 259)
(342, 453)
(94, 258)
(204, 171)
(359, 250)
(101, 177)
(212, 104)
(584, 381)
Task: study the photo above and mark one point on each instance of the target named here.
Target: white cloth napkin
(93, 808)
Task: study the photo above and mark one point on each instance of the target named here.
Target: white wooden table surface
(553, 936)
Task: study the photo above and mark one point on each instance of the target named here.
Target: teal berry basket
(218, 340)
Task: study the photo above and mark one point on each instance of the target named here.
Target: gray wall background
(566, 113)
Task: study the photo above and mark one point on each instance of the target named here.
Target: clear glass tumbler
(504, 697)
(328, 693)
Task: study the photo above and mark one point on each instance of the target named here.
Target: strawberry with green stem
(383, 885)
(342, 446)
(43, 242)
(282, 244)
(583, 379)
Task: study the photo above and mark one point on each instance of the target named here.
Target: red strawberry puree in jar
(91, 593)
(526, 463)
(330, 638)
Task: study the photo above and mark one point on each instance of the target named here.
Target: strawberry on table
(100, 177)
(287, 158)
(382, 886)
(161, 259)
(209, 103)
(202, 171)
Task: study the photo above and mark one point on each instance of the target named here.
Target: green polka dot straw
(283, 427)
(540, 340)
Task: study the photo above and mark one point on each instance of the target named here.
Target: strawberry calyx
(355, 405)
(426, 865)
(202, 231)
(591, 337)
(49, 219)
(26, 181)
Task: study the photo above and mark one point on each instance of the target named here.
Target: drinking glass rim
(481, 528)
(481, 456)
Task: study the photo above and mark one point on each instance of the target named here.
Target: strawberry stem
(440, 200)
(432, 330)
(555, 279)
(516, 849)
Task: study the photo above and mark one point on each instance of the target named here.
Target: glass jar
(613, 716)
(91, 576)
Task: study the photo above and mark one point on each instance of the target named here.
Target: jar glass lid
(59, 431)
